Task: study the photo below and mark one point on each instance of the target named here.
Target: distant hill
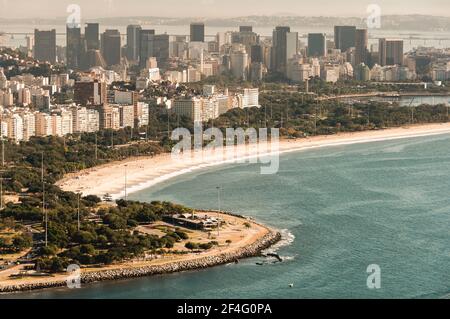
(389, 22)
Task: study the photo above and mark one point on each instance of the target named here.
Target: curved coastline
(146, 172)
(253, 250)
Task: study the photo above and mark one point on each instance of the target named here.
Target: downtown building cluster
(243, 54)
(94, 61)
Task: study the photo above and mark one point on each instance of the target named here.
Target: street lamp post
(218, 214)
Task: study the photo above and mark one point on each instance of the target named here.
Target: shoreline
(145, 172)
(265, 238)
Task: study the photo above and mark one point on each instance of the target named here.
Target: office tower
(73, 47)
(285, 44)
(239, 64)
(361, 46)
(245, 37)
(256, 71)
(45, 45)
(90, 93)
(344, 37)
(91, 35)
(362, 72)
(145, 46)
(390, 52)
(245, 28)
(317, 44)
(111, 47)
(94, 58)
(256, 53)
(291, 45)
(197, 32)
(161, 48)
(133, 42)
(153, 45)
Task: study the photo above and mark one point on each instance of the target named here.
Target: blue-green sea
(341, 209)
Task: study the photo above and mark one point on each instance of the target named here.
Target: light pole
(218, 214)
(44, 211)
(126, 195)
(78, 210)
(96, 147)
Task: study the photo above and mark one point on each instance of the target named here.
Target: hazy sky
(217, 8)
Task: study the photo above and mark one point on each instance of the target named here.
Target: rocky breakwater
(252, 250)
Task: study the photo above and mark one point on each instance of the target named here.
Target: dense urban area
(96, 100)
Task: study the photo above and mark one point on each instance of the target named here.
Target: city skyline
(216, 9)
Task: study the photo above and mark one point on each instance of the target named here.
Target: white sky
(217, 8)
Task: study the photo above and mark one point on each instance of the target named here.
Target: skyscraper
(197, 32)
(73, 47)
(245, 28)
(133, 43)
(45, 45)
(257, 53)
(239, 64)
(145, 46)
(279, 49)
(111, 47)
(91, 34)
(361, 46)
(317, 44)
(344, 37)
(390, 52)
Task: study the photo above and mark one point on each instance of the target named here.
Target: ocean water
(340, 208)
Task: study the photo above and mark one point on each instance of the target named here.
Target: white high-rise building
(15, 127)
(66, 122)
(80, 118)
(93, 121)
(126, 116)
(251, 98)
(29, 125)
(141, 114)
(56, 125)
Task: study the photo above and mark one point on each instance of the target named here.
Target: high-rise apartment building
(126, 115)
(191, 108)
(43, 124)
(90, 92)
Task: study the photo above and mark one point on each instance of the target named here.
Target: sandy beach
(140, 173)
